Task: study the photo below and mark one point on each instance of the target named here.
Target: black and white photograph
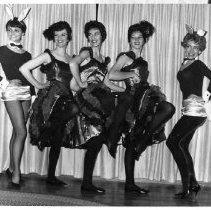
(105, 103)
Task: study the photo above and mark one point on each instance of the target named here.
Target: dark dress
(11, 62)
(51, 108)
(96, 102)
(145, 99)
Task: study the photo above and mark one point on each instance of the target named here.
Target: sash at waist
(194, 106)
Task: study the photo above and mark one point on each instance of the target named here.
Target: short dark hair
(145, 27)
(58, 26)
(16, 23)
(95, 24)
(199, 40)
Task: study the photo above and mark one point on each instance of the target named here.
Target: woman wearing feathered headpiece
(17, 93)
(190, 77)
(149, 110)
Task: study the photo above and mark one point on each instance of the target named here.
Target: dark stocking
(178, 143)
(54, 153)
(93, 149)
(124, 101)
(63, 111)
(164, 112)
(130, 164)
(129, 170)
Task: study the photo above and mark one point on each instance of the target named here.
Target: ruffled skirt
(145, 101)
(49, 113)
(95, 115)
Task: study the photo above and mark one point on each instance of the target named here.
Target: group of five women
(79, 105)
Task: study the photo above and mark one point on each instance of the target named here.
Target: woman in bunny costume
(190, 77)
(17, 93)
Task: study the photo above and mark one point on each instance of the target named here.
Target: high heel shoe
(189, 194)
(15, 185)
(194, 191)
(8, 173)
(182, 195)
(195, 188)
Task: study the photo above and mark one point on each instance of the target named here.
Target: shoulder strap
(107, 60)
(50, 54)
(130, 54)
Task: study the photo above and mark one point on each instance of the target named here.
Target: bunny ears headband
(200, 32)
(22, 15)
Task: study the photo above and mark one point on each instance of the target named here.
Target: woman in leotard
(190, 77)
(17, 93)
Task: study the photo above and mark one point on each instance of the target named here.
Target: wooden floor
(161, 194)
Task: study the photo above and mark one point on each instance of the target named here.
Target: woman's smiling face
(192, 50)
(14, 34)
(136, 40)
(94, 37)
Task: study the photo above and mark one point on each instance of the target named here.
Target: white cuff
(3, 84)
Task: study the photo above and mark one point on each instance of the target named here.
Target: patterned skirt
(96, 103)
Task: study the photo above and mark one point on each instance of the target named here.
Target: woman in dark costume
(190, 77)
(149, 109)
(96, 101)
(54, 109)
(17, 93)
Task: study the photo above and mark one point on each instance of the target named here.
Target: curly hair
(199, 40)
(58, 26)
(95, 24)
(16, 23)
(145, 27)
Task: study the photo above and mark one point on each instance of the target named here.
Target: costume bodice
(93, 71)
(139, 66)
(57, 70)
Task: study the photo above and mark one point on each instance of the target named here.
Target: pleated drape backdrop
(164, 54)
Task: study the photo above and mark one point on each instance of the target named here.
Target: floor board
(161, 194)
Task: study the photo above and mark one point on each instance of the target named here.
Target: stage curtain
(164, 54)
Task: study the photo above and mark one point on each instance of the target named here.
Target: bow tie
(16, 45)
(188, 59)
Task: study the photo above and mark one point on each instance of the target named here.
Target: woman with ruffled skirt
(53, 112)
(149, 110)
(96, 101)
